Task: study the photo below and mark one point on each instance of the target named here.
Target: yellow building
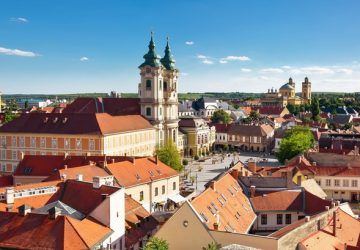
(199, 135)
(287, 95)
(74, 134)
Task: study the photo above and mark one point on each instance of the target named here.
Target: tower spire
(168, 60)
(151, 58)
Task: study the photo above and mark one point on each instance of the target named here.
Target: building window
(165, 86)
(54, 143)
(3, 141)
(328, 182)
(160, 111)
(78, 144)
(337, 183)
(3, 154)
(264, 219)
(160, 85)
(66, 143)
(174, 185)
(354, 183)
(279, 219)
(148, 84)
(33, 142)
(14, 154)
(148, 111)
(141, 196)
(91, 145)
(21, 142)
(345, 183)
(163, 189)
(156, 191)
(13, 143)
(288, 218)
(42, 142)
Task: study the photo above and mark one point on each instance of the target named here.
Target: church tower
(157, 93)
(306, 90)
(170, 94)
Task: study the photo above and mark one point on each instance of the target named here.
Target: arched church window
(148, 84)
(148, 111)
(160, 84)
(165, 86)
(160, 111)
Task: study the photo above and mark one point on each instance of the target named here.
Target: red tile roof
(132, 172)
(289, 200)
(269, 110)
(46, 165)
(88, 123)
(220, 127)
(38, 231)
(112, 106)
(6, 180)
(278, 201)
(225, 197)
(87, 172)
(336, 171)
(83, 197)
(250, 130)
(347, 232)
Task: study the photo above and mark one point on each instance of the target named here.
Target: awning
(177, 198)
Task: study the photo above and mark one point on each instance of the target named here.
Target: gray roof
(65, 210)
(265, 182)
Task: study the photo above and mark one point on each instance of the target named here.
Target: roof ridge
(75, 229)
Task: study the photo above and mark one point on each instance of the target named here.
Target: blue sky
(246, 46)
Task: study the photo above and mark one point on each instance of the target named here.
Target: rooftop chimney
(252, 191)
(307, 218)
(235, 173)
(9, 193)
(22, 155)
(217, 222)
(156, 159)
(65, 167)
(252, 165)
(213, 185)
(24, 209)
(54, 212)
(79, 177)
(66, 155)
(9, 207)
(113, 160)
(289, 177)
(63, 177)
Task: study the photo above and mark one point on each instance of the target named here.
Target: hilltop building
(287, 95)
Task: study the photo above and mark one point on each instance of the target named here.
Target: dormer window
(148, 111)
(148, 84)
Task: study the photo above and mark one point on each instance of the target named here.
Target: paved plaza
(202, 172)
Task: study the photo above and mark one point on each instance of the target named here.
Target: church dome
(286, 86)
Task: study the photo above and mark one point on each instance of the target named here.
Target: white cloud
(286, 67)
(84, 59)
(202, 57)
(272, 70)
(19, 20)
(317, 70)
(345, 71)
(184, 74)
(207, 61)
(236, 58)
(16, 52)
(189, 43)
(246, 70)
(223, 61)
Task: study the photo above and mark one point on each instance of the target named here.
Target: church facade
(287, 95)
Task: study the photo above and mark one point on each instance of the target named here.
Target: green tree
(315, 109)
(220, 116)
(212, 246)
(26, 104)
(155, 243)
(297, 140)
(169, 154)
(254, 115)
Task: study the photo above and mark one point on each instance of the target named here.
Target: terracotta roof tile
(225, 198)
(37, 231)
(84, 123)
(143, 170)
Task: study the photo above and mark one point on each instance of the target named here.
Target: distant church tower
(291, 82)
(158, 93)
(306, 90)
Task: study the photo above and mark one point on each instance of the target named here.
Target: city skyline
(220, 47)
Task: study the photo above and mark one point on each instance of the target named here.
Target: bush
(196, 157)
(185, 162)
